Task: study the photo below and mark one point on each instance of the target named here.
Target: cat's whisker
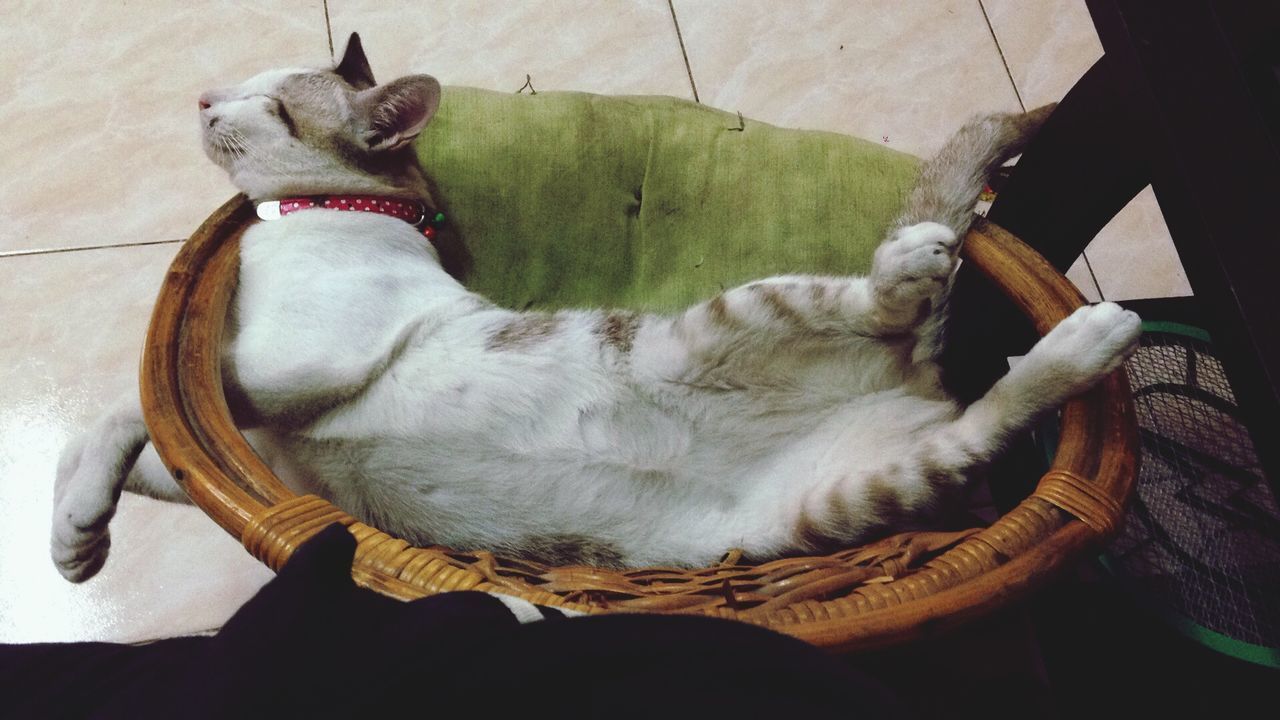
(248, 149)
(238, 145)
(235, 143)
(228, 144)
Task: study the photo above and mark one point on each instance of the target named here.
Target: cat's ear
(354, 67)
(393, 114)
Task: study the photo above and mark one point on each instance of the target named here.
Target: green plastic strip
(1190, 629)
(1176, 328)
(1047, 431)
(1256, 654)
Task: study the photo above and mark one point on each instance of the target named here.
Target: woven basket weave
(900, 588)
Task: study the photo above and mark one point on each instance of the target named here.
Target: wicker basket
(900, 588)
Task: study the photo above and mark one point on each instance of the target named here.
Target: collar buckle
(269, 210)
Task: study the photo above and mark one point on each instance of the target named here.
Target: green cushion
(652, 203)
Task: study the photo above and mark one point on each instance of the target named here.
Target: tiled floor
(99, 149)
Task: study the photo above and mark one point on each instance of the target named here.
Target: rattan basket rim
(904, 587)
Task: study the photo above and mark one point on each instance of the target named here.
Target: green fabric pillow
(651, 203)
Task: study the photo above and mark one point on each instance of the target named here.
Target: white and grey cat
(782, 416)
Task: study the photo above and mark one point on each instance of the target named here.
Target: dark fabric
(311, 643)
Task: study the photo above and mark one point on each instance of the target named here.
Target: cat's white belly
(421, 426)
(498, 449)
(484, 449)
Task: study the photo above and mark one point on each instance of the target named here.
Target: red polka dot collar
(411, 211)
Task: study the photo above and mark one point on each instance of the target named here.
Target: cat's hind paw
(914, 265)
(78, 554)
(79, 539)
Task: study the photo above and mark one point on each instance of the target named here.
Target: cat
(787, 415)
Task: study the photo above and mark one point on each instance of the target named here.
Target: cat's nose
(204, 102)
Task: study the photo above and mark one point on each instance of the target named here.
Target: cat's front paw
(1088, 345)
(78, 554)
(79, 540)
(914, 265)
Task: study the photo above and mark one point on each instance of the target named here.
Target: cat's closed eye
(278, 109)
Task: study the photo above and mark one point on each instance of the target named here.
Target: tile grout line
(328, 30)
(77, 248)
(1003, 61)
(1009, 73)
(1092, 276)
(683, 53)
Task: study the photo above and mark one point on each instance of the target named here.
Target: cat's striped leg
(944, 195)
(944, 447)
(769, 333)
(909, 273)
(802, 307)
(1073, 357)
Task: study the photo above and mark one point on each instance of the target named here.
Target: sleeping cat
(787, 415)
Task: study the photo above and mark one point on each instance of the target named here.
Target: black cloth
(311, 643)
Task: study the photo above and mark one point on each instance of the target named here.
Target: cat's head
(307, 131)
